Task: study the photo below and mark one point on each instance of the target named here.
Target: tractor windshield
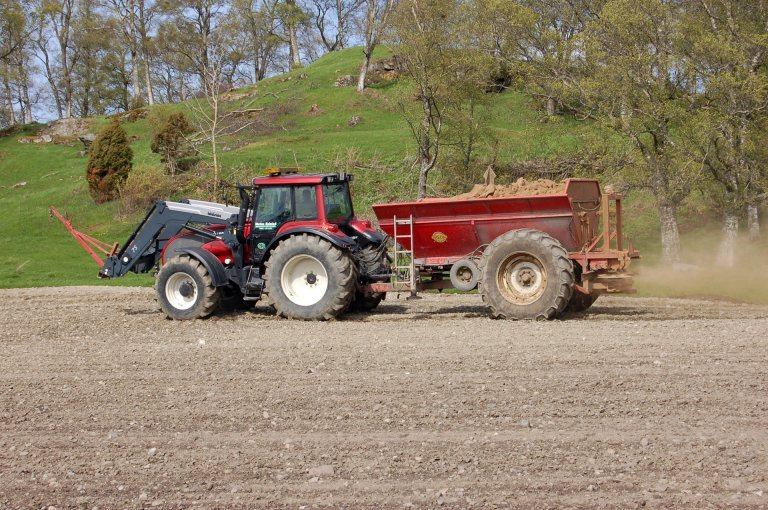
(338, 206)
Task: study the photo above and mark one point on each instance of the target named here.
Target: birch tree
(377, 14)
(634, 83)
(726, 44)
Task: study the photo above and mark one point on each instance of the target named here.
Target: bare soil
(521, 187)
(640, 402)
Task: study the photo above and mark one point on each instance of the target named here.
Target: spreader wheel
(308, 278)
(526, 274)
(184, 289)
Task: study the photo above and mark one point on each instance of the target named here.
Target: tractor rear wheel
(310, 279)
(185, 290)
(526, 274)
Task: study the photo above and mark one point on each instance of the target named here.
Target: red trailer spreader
(530, 256)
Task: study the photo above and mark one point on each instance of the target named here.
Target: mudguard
(340, 240)
(212, 264)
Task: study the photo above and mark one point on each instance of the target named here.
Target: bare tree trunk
(25, 94)
(670, 235)
(551, 110)
(293, 40)
(9, 98)
(363, 70)
(145, 51)
(49, 72)
(726, 253)
(148, 82)
(753, 222)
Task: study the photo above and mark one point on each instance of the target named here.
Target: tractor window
(274, 208)
(338, 206)
(306, 202)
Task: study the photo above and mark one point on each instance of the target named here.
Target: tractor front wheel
(310, 279)
(526, 274)
(185, 290)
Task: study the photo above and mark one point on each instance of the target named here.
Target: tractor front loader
(293, 237)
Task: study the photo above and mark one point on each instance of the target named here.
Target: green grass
(38, 251)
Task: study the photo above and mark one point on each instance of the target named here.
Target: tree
(110, 159)
(57, 16)
(377, 13)
(446, 74)
(169, 139)
(214, 121)
(259, 22)
(330, 14)
(292, 16)
(634, 82)
(726, 44)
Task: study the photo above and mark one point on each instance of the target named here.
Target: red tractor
(295, 243)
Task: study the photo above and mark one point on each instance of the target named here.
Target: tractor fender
(212, 264)
(339, 240)
(373, 236)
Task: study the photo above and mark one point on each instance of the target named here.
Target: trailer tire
(465, 275)
(526, 274)
(184, 289)
(308, 278)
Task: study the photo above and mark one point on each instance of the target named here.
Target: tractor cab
(284, 201)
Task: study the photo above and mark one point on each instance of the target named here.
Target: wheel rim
(304, 280)
(522, 278)
(464, 274)
(181, 291)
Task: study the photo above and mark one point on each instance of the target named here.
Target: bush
(144, 186)
(110, 160)
(168, 140)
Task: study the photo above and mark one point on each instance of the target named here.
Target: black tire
(526, 274)
(184, 289)
(373, 261)
(366, 303)
(580, 302)
(308, 278)
(465, 275)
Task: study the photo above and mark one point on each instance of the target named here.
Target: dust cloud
(698, 275)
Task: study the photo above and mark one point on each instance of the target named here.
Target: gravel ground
(425, 403)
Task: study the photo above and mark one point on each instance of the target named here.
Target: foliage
(447, 76)
(110, 159)
(169, 139)
(144, 185)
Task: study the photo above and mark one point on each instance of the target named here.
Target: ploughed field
(654, 402)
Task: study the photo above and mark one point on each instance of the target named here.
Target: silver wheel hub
(304, 280)
(522, 279)
(181, 291)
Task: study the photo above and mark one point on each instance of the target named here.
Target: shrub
(110, 159)
(168, 140)
(145, 185)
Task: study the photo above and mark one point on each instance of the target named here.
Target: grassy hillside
(305, 122)
(38, 251)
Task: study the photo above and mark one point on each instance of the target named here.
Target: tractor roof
(281, 179)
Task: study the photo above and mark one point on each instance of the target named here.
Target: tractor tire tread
(341, 265)
(211, 295)
(562, 265)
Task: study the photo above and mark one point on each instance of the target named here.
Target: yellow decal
(439, 237)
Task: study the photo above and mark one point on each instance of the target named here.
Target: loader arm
(164, 220)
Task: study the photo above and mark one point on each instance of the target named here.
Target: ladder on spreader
(404, 273)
